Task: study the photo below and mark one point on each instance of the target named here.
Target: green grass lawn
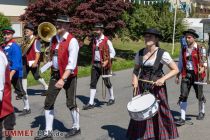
(125, 52)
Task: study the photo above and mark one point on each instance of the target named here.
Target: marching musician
(151, 60)
(14, 56)
(102, 53)
(31, 57)
(192, 68)
(7, 116)
(64, 50)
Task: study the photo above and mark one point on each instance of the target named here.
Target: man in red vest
(31, 63)
(31, 57)
(102, 53)
(7, 116)
(64, 50)
(192, 65)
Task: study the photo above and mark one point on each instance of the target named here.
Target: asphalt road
(106, 122)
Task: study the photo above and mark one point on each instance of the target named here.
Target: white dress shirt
(112, 52)
(3, 64)
(73, 49)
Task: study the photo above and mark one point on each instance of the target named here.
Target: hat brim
(192, 33)
(156, 34)
(98, 28)
(61, 20)
(8, 31)
(32, 29)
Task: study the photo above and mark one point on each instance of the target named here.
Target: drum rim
(147, 117)
(146, 108)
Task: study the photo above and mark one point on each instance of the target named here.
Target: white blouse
(166, 59)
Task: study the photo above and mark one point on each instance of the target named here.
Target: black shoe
(200, 116)
(73, 132)
(25, 112)
(110, 102)
(88, 106)
(44, 137)
(44, 94)
(180, 122)
(19, 97)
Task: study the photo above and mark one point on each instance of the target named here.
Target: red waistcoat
(31, 53)
(6, 107)
(103, 51)
(63, 54)
(195, 60)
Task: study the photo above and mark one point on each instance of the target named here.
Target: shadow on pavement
(39, 121)
(17, 110)
(175, 114)
(85, 100)
(115, 132)
(34, 92)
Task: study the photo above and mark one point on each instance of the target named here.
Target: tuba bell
(46, 31)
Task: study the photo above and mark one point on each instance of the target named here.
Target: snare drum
(142, 107)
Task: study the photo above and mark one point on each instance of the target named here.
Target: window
(17, 26)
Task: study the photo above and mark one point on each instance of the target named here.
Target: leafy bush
(3, 23)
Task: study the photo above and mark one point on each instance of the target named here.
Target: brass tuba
(26, 44)
(46, 31)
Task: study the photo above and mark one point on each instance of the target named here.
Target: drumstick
(147, 81)
(134, 92)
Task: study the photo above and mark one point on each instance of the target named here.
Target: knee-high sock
(26, 102)
(42, 81)
(92, 96)
(201, 107)
(25, 98)
(49, 117)
(24, 83)
(111, 93)
(183, 107)
(75, 118)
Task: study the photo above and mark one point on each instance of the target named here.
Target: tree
(83, 14)
(3, 23)
(107, 12)
(141, 17)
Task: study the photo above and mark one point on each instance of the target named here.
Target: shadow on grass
(85, 55)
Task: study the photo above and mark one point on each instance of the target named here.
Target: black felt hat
(192, 32)
(29, 26)
(153, 32)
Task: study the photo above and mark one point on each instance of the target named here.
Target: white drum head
(140, 103)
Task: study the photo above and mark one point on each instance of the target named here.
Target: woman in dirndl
(149, 62)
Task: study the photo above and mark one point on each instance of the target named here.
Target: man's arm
(72, 62)
(37, 50)
(111, 49)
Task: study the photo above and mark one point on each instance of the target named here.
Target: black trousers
(96, 72)
(187, 83)
(7, 122)
(27, 69)
(52, 92)
(17, 84)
